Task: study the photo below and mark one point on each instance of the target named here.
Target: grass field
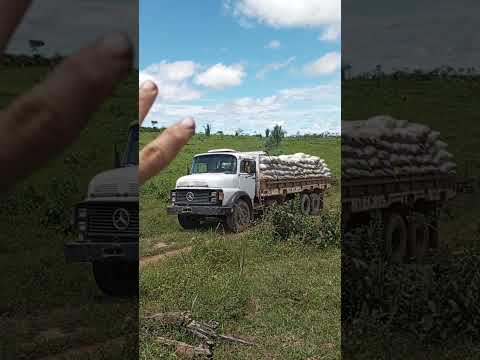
(47, 306)
(285, 296)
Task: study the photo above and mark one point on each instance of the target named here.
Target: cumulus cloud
(305, 110)
(274, 44)
(172, 79)
(274, 67)
(299, 13)
(325, 65)
(220, 76)
(331, 33)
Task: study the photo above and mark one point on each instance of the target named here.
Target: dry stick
(186, 349)
(203, 330)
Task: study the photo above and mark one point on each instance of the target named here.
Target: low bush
(430, 302)
(286, 222)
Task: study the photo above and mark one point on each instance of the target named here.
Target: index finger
(146, 97)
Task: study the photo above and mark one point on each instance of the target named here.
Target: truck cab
(107, 223)
(221, 184)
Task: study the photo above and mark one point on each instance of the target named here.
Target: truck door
(247, 177)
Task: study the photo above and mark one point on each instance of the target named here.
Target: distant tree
(219, 132)
(267, 133)
(208, 129)
(277, 135)
(238, 132)
(154, 123)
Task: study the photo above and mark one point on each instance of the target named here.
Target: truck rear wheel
(188, 222)
(305, 204)
(316, 201)
(395, 238)
(419, 238)
(240, 218)
(116, 278)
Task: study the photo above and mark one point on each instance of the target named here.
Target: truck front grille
(200, 197)
(118, 220)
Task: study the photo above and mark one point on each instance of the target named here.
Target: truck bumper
(199, 210)
(97, 251)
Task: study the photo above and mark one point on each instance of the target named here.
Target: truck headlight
(82, 213)
(220, 195)
(82, 226)
(173, 196)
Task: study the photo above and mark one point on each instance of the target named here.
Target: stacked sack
(384, 146)
(286, 167)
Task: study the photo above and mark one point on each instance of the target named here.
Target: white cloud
(274, 67)
(326, 65)
(172, 80)
(307, 110)
(331, 33)
(274, 44)
(220, 76)
(298, 13)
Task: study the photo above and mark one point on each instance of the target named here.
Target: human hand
(39, 124)
(156, 155)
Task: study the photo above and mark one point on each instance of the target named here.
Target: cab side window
(247, 167)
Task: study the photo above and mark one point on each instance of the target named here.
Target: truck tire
(240, 218)
(395, 238)
(305, 204)
(316, 201)
(419, 238)
(188, 222)
(116, 278)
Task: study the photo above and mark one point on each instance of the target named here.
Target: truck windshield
(219, 163)
(131, 152)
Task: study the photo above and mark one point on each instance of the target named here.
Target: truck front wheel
(116, 278)
(188, 222)
(396, 238)
(240, 218)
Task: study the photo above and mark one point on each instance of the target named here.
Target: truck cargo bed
(376, 193)
(269, 187)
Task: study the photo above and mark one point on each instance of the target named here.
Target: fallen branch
(206, 331)
(187, 350)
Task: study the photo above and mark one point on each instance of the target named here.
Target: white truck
(107, 224)
(227, 185)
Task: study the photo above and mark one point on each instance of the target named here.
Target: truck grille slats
(200, 197)
(113, 220)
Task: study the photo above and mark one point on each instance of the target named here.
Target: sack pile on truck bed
(286, 167)
(383, 146)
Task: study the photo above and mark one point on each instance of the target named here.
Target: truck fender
(238, 195)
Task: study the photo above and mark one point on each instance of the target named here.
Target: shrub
(286, 222)
(430, 302)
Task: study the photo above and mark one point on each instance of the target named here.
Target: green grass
(39, 291)
(284, 296)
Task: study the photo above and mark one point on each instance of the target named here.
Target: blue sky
(247, 64)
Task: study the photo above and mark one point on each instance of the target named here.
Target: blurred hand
(160, 152)
(42, 122)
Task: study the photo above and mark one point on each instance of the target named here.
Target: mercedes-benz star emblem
(121, 219)
(190, 196)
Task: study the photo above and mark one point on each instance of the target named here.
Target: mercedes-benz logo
(190, 196)
(121, 219)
